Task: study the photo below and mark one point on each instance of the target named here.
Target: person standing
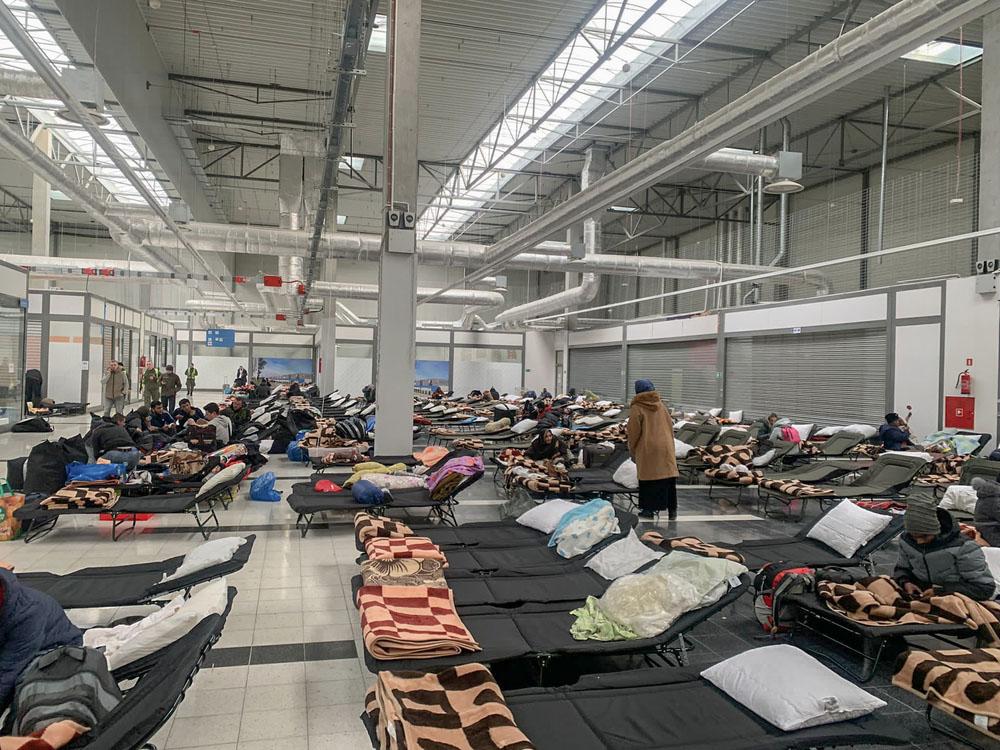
(150, 385)
(241, 377)
(651, 445)
(32, 387)
(115, 384)
(190, 374)
(170, 386)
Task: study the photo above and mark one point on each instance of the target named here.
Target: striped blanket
(692, 544)
(415, 547)
(367, 526)
(80, 497)
(964, 683)
(881, 601)
(412, 622)
(460, 708)
(547, 477)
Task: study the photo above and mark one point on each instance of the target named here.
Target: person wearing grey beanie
(986, 518)
(934, 555)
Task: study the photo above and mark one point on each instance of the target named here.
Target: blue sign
(220, 337)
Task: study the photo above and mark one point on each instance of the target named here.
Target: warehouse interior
(383, 351)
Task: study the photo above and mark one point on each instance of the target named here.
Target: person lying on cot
(31, 623)
(546, 446)
(935, 556)
(895, 433)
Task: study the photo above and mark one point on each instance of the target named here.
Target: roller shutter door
(684, 372)
(108, 342)
(597, 369)
(830, 378)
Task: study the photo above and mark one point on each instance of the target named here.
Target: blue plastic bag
(370, 423)
(296, 453)
(262, 489)
(77, 472)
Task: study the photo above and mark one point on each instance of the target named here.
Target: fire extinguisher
(964, 383)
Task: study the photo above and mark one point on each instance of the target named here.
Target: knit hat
(985, 488)
(641, 386)
(921, 517)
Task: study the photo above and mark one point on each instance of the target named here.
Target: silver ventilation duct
(345, 290)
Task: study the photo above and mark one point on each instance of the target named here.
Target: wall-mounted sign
(224, 337)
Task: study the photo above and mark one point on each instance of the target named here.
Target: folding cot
(604, 471)
(126, 585)
(38, 520)
(408, 459)
(307, 502)
(691, 465)
(160, 681)
(670, 709)
(890, 474)
(975, 467)
(814, 614)
(812, 552)
(838, 445)
(538, 633)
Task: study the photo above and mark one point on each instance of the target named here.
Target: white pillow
(961, 497)
(221, 477)
(736, 416)
(557, 431)
(207, 554)
(611, 413)
(125, 644)
(804, 430)
(764, 459)
(602, 404)
(912, 454)
(992, 555)
(680, 423)
(546, 516)
(865, 430)
(627, 474)
(590, 420)
(625, 556)
(846, 527)
(681, 449)
(525, 425)
(371, 408)
(715, 412)
(790, 689)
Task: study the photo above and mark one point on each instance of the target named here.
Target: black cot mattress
(173, 503)
(123, 585)
(304, 500)
(539, 630)
(670, 709)
(814, 605)
(501, 534)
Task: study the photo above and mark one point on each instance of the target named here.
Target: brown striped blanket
(881, 601)
(964, 683)
(403, 572)
(80, 497)
(460, 708)
(412, 622)
(547, 477)
(691, 544)
(793, 488)
(943, 471)
(416, 547)
(367, 526)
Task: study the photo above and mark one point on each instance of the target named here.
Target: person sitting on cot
(546, 446)
(935, 556)
(895, 433)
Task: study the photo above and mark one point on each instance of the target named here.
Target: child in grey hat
(933, 554)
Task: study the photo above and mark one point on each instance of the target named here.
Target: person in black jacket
(554, 417)
(30, 624)
(111, 441)
(546, 446)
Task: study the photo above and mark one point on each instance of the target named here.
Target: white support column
(989, 162)
(327, 336)
(41, 203)
(397, 279)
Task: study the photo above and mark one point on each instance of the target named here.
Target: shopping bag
(10, 527)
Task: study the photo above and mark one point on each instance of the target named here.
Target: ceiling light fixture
(783, 187)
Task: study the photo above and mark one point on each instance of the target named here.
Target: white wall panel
(596, 336)
(349, 333)
(918, 303)
(917, 376)
(214, 372)
(68, 304)
(504, 376)
(432, 337)
(351, 374)
(831, 312)
(539, 361)
(62, 382)
(13, 281)
(482, 338)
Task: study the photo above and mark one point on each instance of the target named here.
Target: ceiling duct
(346, 290)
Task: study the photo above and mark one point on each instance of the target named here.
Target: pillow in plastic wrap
(648, 604)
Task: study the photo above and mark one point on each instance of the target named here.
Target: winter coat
(30, 623)
(191, 373)
(952, 562)
(170, 383)
(651, 438)
(986, 517)
(115, 384)
(107, 437)
(151, 383)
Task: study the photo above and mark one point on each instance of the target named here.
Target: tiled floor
(287, 671)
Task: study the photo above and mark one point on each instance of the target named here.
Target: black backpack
(69, 682)
(32, 424)
(351, 428)
(45, 471)
(772, 585)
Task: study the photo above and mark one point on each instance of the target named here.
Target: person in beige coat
(651, 445)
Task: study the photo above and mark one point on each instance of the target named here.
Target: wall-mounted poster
(431, 373)
(284, 369)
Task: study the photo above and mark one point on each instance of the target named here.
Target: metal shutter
(127, 349)
(684, 372)
(597, 369)
(829, 378)
(33, 352)
(109, 344)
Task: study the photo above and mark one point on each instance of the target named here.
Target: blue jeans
(128, 456)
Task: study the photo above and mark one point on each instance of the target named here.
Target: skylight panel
(944, 53)
(377, 42)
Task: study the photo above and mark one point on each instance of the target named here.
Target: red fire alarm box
(960, 412)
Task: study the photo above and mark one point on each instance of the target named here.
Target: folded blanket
(793, 488)
(79, 497)
(344, 454)
(404, 572)
(361, 471)
(736, 473)
(469, 444)
(691, 544)
(583, 527)
(412, 622)
(881, 601)
(431, 454)
(717, 455)
(396, 481)
(367, 526)
(416, 547)
(964, 683)
(461, 708)
(462, 466)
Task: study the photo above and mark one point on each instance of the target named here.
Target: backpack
(790, 435)
(352, 428)
(45, 470)
(201, 436)
(69, 682)
(32, 424)
(773, 583)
